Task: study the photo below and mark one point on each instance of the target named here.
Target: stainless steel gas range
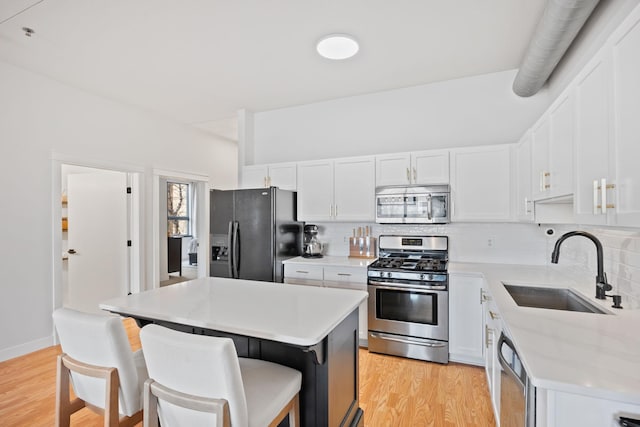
(409, 298)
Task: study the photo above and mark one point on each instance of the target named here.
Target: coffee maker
(312, 246)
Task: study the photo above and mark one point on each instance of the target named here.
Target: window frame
(188, 217)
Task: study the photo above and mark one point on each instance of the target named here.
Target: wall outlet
(491, 242)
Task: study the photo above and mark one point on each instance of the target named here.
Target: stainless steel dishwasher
(517, 394)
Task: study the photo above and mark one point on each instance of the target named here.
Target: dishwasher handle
(508, 366)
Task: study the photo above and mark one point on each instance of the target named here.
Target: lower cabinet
(339, 277)
(559, 409)
(466, 323)
(492, 330)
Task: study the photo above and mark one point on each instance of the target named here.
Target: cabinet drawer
(346, 274)
(303, 271)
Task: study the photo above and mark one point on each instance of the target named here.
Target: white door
(97, 237)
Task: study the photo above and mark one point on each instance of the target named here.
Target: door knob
(71, 251)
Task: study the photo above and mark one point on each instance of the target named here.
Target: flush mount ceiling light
(337, 46)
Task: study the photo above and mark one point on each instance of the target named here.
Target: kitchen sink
(551, 298)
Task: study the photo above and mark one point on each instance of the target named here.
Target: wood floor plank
(394, 392)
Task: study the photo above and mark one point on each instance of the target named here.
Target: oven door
(408, 310)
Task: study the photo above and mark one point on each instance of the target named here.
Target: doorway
(98, 208)
(182, 227)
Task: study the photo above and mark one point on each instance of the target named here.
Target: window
(178, 209)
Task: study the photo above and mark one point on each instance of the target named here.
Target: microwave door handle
(429, 208)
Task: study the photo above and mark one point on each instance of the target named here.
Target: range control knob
(422, 276)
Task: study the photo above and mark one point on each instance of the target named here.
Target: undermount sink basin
(551, 298)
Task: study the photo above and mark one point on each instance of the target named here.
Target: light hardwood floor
(394, 392)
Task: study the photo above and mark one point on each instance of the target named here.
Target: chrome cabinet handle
(546, 175)
(595, 197)
(527, 203)
(302, 271)
(408, 175)
(415, 175)
(493, 315)
(344, 274)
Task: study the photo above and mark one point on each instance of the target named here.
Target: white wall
(40, 117)
(475, 110)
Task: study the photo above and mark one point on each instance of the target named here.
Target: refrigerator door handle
(236, 250)
(230, 249)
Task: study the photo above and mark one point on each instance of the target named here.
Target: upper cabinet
(337, 190)
(524, 200)
(593, 143)
(282, 175)
(421, 167)
(625, 66)
(552, 150)
(481, 183)
(608, 131)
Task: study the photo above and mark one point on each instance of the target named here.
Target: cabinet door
(430, 167)
(283, 176)
(315, 191)
(592, 140)
(481, 183)
(626, 125)
(254, 176)
(492, 330)
(524, 202)
(561, 128)
(466, 323)
(540, 159)
(354, 193)
(393, 169)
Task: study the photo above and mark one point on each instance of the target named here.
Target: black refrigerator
(252, 232)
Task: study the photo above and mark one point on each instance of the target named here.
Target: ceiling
(200, 61)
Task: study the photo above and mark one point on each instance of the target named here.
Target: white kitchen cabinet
(466, 322)
(281, 175)
(315, 191)
(593, 143)
(608, 131)
(625, 66)
(552, 149)
(524, 200)
(339, 277)
(481, 183)
(420, 167)
(337, 190)
(560, 409)
(492, 331)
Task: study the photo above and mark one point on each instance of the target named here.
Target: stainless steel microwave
(414, 204)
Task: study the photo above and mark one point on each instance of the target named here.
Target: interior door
(97, 237)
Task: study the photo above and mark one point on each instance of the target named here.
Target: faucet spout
(601, 279)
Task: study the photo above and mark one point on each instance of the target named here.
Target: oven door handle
(407, 340)
(402, 286)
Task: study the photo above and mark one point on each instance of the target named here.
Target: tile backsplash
(621, 252)
(516, 243)
(481, 242)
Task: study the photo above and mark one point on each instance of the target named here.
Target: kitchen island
(312, 330)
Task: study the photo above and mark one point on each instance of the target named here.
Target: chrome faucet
(601, 279)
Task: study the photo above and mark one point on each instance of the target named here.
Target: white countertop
(590, 354)
(299, 315)
(331, 261)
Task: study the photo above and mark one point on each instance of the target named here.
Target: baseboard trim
(22, 349)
